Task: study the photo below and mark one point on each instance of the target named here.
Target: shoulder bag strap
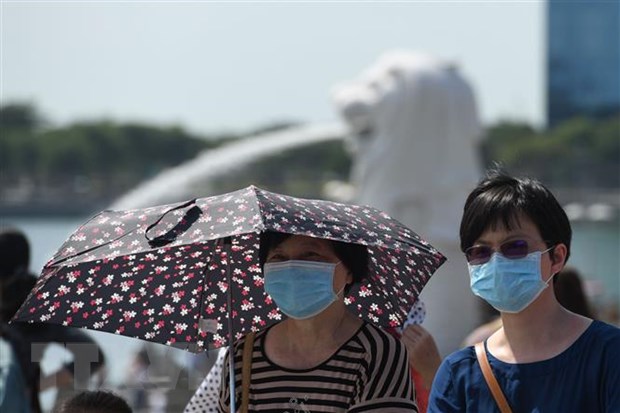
(498, 395)
(246, 371)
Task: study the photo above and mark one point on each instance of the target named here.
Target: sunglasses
(479, 254)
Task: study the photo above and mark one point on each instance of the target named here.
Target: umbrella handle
(188, 219)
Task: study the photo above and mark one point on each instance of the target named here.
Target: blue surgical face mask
(509, 285)
(301, 289)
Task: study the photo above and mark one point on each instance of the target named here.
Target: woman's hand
(423, 353)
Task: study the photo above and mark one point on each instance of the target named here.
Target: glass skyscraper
(583, 59)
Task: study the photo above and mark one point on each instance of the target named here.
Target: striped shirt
(368, 373)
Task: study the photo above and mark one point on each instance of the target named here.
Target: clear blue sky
(213, 66)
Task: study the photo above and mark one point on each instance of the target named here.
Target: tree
(577, 153)
(19, 116)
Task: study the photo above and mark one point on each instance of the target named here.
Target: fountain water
(176, 183)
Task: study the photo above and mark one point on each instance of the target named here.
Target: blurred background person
(424, 357)
(15, 394)
(570, 292)
(137, 381)
(97, 401)
(16, 282)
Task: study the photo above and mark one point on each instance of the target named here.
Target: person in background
(137, 380)
(99, 401)
(15, 395)
(516, 237)
(568, 286)
(424, 358)
(16, 282)
(482, 332)
(206, 397)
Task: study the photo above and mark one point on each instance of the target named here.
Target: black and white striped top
(369, 373)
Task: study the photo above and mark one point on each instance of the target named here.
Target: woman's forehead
(305, 242)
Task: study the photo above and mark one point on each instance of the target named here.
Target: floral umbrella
(188, 274)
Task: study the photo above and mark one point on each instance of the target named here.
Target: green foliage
(110, 157)
(18, 122)
(19, 116)
(577, 153)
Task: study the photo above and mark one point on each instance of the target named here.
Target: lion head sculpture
(414, 133)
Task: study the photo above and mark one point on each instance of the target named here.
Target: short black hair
(14, 252)
(98, 401)
(353, 256)
(500, 197)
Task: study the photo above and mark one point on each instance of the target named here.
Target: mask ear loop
(345, 284)
(552, 263)
(551, 278)
(341, 290)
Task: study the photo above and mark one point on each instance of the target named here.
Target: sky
(233, 66)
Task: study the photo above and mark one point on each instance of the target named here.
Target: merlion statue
(414, 131)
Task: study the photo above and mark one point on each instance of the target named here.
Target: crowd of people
(543, 351)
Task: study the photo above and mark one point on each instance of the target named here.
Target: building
(583, 59)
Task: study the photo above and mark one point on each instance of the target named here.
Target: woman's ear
(558, 258)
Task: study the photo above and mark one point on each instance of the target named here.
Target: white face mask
(509, 285)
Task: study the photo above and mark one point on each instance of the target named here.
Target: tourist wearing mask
(516, 238)
(322, 356)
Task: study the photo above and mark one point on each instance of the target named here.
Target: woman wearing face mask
(516, 238)
(321, 357)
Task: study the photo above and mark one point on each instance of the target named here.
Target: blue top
(583, 378)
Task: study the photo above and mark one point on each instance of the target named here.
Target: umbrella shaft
(231, 339)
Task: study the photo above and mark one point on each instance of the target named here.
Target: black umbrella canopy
(161, 273)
